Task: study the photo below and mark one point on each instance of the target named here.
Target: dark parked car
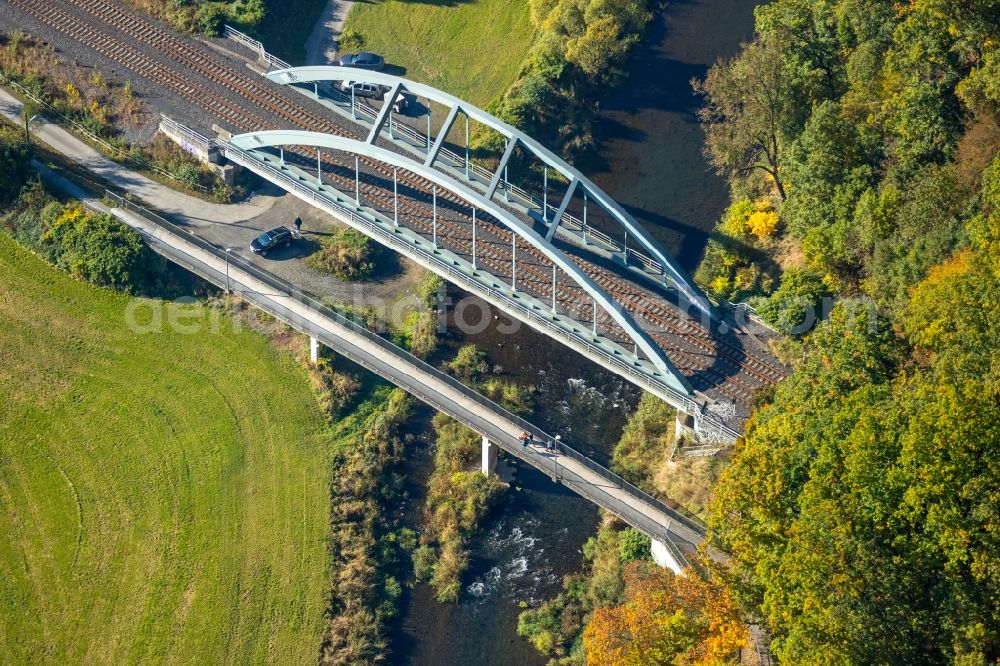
(271, 239)
(363, 60)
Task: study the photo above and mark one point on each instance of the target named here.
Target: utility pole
(28, 111)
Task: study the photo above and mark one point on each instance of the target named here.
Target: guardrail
(246, 40)
(188, 133)
(291, 291)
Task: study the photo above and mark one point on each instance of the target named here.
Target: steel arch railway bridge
(626, 305)
(521, 228)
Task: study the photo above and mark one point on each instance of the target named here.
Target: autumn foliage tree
(666, 619)
(862, 505)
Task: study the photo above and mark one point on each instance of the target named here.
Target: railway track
(694, 350)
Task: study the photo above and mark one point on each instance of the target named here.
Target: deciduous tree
(745, 112)
(666, 619)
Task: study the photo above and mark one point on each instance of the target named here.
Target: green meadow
(164, 495)
(470, 49)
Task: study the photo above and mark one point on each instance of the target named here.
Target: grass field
(469, 49)
(163, 497)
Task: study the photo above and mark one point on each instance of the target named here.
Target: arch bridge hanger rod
(277, 138)
(671, 268)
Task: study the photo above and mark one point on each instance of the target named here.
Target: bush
(633, 545)
(469, 363)
(423, 334)
(424, 559)
(429, 289)
(15, 163)
(346, 254)
(350, 40)
(513, 397)
(796, 306)
(100, 249)
(208, 19)
(335, 389)
(763, 224)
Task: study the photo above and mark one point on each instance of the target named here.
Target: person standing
(298, 224)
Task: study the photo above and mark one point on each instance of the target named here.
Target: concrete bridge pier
(490, 452)
(685, 425)
(313, 350)
(663, 555)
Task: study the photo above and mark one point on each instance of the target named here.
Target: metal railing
(254, 45)
(369, 111)
(447, 270)
(291, 291)
(569, 220)
(189, 134)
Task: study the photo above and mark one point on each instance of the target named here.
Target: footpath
(182, 207)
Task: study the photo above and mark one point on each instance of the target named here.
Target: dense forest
(862, 507)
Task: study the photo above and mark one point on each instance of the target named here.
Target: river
(650, 159)
(651, 162)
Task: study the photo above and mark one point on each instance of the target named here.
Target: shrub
(737, 215)
(346, 254)
(644, 442)
(335, 389)
(350, 40)
(633, 545)
(763, 224)
(542, 627)
(208, 19)
(424, 559)
(514, 397)
(100, 249)
(423, 334)
(469, 363)
(15, 163)
(796, 306)
(429, 289)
